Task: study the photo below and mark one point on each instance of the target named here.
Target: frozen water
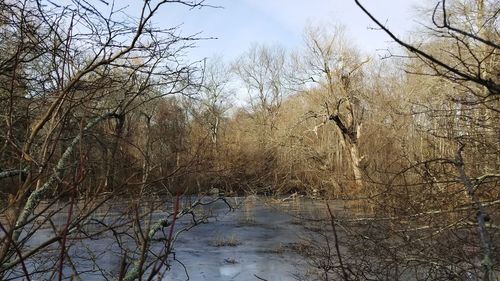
(259, 233)
(255, 240)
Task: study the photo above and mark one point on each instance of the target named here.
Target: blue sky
(242, 22)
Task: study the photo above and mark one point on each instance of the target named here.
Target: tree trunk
(350, 136)
(356, 165)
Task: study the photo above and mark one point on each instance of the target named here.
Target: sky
(240, 23)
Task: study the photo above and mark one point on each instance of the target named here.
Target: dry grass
(231, 241)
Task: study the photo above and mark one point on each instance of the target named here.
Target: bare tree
(464, 57)
(74, 75)
(333, 63)
(215, 99)
(433, 171)
(262, 70)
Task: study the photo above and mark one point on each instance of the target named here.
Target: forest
(98, 108)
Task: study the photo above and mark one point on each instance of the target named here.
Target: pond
(258, 239)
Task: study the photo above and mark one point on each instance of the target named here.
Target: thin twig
(337, 247)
